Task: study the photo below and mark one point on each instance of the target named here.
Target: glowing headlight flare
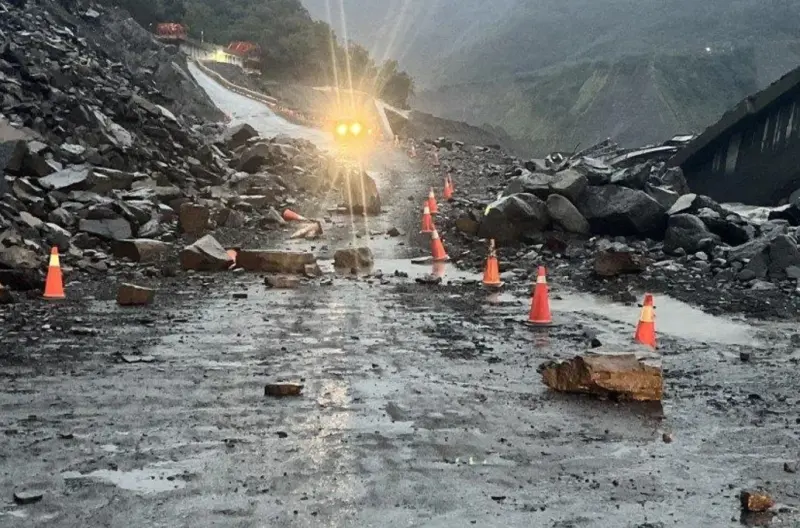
(355, 128)
(341, 129)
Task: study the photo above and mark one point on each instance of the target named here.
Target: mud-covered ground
(421, 404)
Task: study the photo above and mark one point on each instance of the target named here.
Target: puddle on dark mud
(405, 267)
(157, 478)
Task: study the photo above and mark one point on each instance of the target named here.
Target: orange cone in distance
(540, 304)
(450, 179)
(646, 329)
(448, 191)
(54, 285)
(291, 216)
(432, 202)
(427, 221)
(491, 274)
(437, 248)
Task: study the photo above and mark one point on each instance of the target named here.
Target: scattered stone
(394, 232)
(138, 359)
(237, 136)
(262, 260)
(688, 232)
(667, 438)
(28, 496)
(193, 218)
(624, 376)
(282, 281)
(353, 258)
(107, 228)
(790, 467)
(280, 390)
(613, 263)
(755, 501)
(240, 295)
(5, 296)
(744, 356)
(312, 270)
(132, 295)
(207, 255)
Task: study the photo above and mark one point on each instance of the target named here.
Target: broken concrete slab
(206, 255)
(270, 261)
(279, 390)
(141, 250)
(132, 295)
(634, 375)
(353, 258)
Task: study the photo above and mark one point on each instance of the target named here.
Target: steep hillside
(635, 100)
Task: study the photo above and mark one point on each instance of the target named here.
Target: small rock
(394, 232)
(268, 261)
(744, 356)
(28, 496)
(240, 295)
(282, 281)
(193, 218)
(667, 438)
(279, 390)
(613, 263)
(790, 467)
(138, 359)
(5, 295)
(207, 255)
(756, 501)
(132, 295)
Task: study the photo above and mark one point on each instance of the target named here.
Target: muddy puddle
(157, 478)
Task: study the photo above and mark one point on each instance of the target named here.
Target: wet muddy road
(422, 405)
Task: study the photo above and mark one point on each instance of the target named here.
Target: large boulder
(566, 216)
(141, 250)
(616, 210)
(783, 253)
(353, 258)
(688, 232)
(512, 217)
(568, 183)
(274, 261)
(237, 136)
(693, 203)
(731, 228)
(106, 228)
(635, 375)
(663, 195)
(255, 157)
(205, 255)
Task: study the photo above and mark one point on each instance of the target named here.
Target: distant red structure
(242, 49)
(170, 30)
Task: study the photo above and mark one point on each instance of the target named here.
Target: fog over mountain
(487, 61)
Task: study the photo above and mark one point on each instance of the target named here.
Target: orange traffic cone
(437, 248)
(291, 216)
(540, 304)
(432, 202)
(233, 254)
(491, 275)
(54, 285)
(450, 179)
(646, 329)
(427, 221)
(448, 191)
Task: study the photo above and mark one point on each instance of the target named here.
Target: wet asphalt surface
(422, 405)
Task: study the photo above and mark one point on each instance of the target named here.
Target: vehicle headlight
(355, 128)
(341, 129)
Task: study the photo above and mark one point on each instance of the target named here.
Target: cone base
(54, 297)
(443, 259)
(493, 285)
(534, 324)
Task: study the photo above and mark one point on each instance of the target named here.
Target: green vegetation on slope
(293, 46)
(635, 99)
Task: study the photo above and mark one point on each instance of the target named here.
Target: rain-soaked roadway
(421, 407)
